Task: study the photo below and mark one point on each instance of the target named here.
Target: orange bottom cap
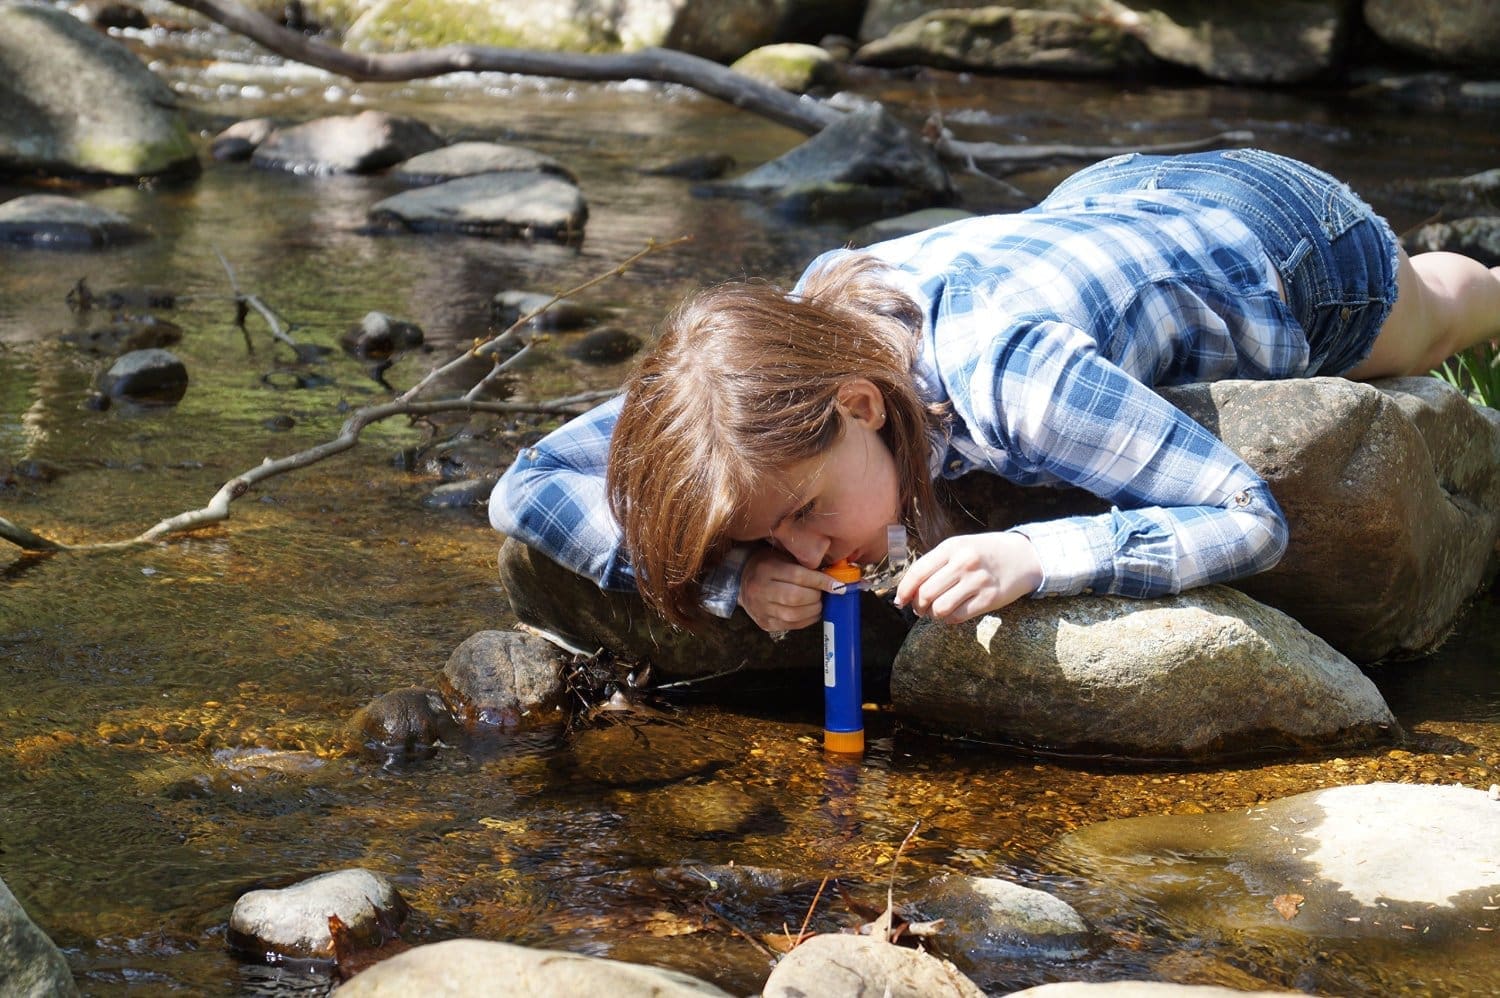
(844, 742)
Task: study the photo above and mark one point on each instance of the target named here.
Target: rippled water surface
(170, 731)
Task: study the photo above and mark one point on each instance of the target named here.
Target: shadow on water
(172, 733)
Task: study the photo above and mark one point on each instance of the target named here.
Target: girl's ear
(862, 402)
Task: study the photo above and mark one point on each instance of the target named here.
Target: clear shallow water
(170, 731)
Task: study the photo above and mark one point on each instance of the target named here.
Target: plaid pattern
(1043, 330)
(552, 499)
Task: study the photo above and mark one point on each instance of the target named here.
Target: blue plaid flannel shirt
(1044, 331)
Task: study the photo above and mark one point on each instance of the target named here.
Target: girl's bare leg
(1445, 303)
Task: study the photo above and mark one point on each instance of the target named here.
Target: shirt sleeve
(553, 499)
(1187, 510)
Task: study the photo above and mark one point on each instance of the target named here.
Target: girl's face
(834, 506)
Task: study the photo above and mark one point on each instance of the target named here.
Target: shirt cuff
(1074, 552)
(721, 584)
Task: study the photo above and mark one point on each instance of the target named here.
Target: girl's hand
(969, 575)
(781, 595)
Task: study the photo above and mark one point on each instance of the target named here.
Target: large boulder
(459, 968)
(1392, 875)
(1259, 41)
(74, 101)
(1449, 32)
(1253, 41)
(1391, 490)
(1210, 673)
(30, 965)
(1477, 237)
(721, 31)
(1014, 37)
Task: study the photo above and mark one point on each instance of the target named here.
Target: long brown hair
(742, 383)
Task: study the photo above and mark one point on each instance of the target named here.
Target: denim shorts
(1336, 257)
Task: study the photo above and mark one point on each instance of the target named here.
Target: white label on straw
(830, 642)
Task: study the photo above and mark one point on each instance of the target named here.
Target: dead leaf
(1288, 905)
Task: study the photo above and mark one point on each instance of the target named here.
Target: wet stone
(604, 346)
(466, 159)
(507, 307)
(81, 298)
(293, 921)
(500, 678)
(986, 919)
(30, 964)
(406, 719)
(378, 336)
(527, 205)
(357, 143)
(838, 964)
(466, 494)
(743, 882)
(473, 966)
(708, 166)
(462, 458)
(148, 376)
(52, 221)
(239, 140)
(123, 334)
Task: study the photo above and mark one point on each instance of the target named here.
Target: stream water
(171, 721)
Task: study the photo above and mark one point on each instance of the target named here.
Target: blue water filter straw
(843, 700)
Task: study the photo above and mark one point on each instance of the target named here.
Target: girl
(769, 434)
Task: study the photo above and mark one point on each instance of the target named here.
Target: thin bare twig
(802, 931)
(764, 949)
(244, 301)
(882, 925)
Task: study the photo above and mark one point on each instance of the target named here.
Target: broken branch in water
(406, 404)
(243, 303)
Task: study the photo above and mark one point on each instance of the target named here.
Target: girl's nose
(808, 547)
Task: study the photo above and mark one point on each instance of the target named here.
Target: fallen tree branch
(805, 114)
(657, 65)
(406, 404)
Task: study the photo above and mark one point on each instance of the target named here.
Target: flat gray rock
(53, 221)
(467, 159)
(517, 205)
(1209, 673)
